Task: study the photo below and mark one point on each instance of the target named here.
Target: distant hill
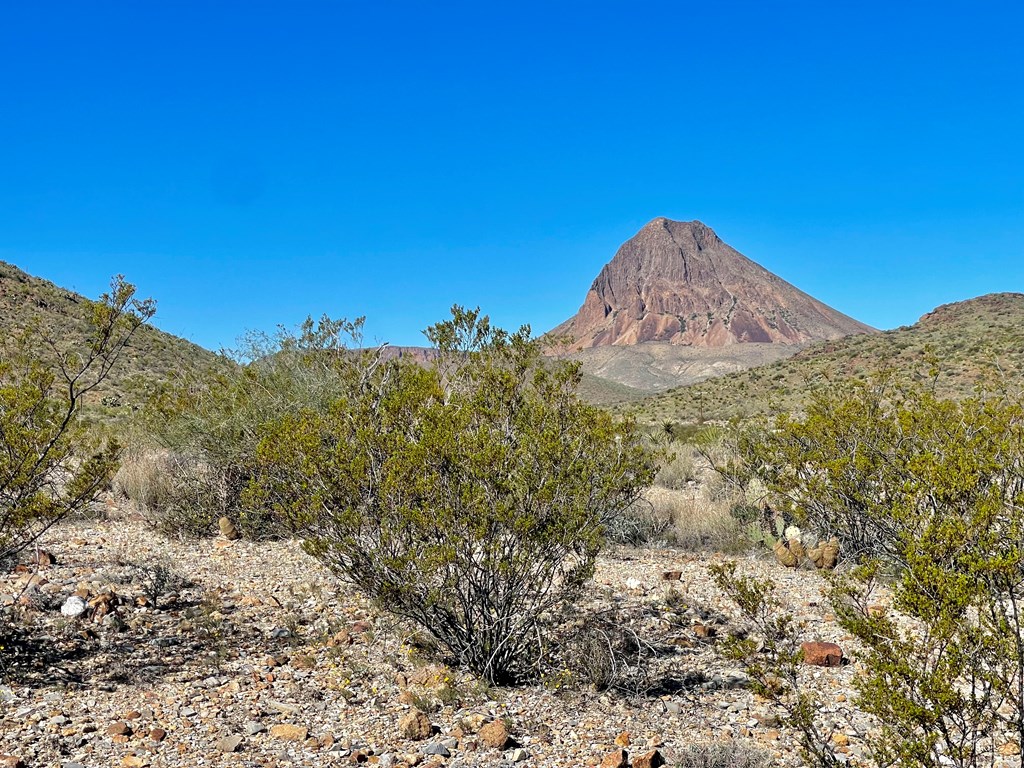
(677, 305)
(966, 338)
(676, 282)
(151, 357)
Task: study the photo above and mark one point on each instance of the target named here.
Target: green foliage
(471, 496)
(929, 494)
(207, 425)
(50, 467)
(971, 338)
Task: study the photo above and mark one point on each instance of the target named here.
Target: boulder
(822, 654)
(415, 725)
(494, 734)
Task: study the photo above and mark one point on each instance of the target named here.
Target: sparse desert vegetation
(322, 553)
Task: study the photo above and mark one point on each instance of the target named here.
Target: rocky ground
(137, 651)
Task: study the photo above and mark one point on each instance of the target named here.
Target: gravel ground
(237, 653)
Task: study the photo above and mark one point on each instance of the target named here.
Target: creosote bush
(50, 465)
(471, 496)
(207, 427)
(928, 495)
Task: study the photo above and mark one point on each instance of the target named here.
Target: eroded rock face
(677, 282)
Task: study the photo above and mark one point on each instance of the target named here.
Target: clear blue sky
(249, 163)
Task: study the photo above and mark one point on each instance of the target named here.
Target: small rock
(415, 725)
(157, 734)
(617, 759)
(73, 607)
(652, 759)
(44, 558)
(10, 761)
(287, 732)
(134, 761)
(252, 728)
(437, 749)
(672, 576)
(703, 630)
(821, 654)
(840, 739)
(494, 734)
(119, 728)
(518, 755)
(229, 743)
(623, 739)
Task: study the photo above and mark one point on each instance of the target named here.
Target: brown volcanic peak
(677, 282)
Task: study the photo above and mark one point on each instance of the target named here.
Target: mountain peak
(678, 282)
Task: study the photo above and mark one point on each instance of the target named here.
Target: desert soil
(254, 656)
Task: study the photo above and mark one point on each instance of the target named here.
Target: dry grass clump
(681, 470)
(169, 491)
(696, 522)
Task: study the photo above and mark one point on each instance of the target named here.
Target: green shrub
(929, 495)
(471, 497)
(50, 466)
(207, 424)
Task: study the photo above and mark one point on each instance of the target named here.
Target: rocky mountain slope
(962, 345)
(677, 282)
(152, 356)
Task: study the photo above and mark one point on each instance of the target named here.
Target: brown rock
(134, 761)
(11, 761)
(158, 734)
(840, 739)
(119, 728)
(343, 638)
(617, 759)
(822, 654)
(623, 739)
(415, 725)
(228, 529)
(494, 734)
(703, 630)
(672, 576)
(44, 558)
(652, 759)
(287, 732)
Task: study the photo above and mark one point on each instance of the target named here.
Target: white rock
(73, 607)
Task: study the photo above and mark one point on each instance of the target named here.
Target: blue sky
(249, 163)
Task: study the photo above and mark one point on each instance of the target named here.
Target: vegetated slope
(151, 357)
(966, 339)
(676, 305)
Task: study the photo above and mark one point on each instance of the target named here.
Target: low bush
(51, 466)
(471, 497)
